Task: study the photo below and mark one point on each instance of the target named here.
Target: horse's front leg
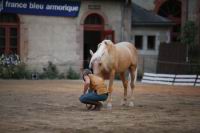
(110, 89)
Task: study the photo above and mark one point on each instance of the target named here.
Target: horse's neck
(109, 60)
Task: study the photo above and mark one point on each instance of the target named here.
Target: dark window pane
(2, 32)
(170, 8)
(138, 41)
(2, 42)
(151, 42)
(13, 42)
(13, 32)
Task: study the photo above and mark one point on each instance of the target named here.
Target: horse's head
(96, 60)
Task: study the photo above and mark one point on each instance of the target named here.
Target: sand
(52, 106)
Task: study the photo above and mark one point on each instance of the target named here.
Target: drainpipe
(184, 16)
(122, 22)
(198, 20)
(184, 10)
(187, 4)
(125, 34)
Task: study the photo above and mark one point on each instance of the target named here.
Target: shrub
(20, 72)
(50, 72)
(12, 68)
(72, 74)
(62, 76)
(189, 37)
(4, 72)
(189, 33)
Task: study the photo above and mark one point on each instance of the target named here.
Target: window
(2, 40)
(138, 41)
(151, 40)
(9, 34)
(171, 9)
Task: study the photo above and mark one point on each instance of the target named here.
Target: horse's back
(126, 48)
(127, 54)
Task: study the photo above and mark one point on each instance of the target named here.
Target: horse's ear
(98, 45)
(107, 42)
(91, 52)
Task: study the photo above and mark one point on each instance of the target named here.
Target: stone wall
(44, 39)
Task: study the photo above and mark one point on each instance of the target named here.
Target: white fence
(171, 79)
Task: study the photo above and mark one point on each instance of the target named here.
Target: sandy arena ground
(52, 106)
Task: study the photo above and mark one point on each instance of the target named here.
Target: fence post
(174, 79)
(196, 80)
(143, 64)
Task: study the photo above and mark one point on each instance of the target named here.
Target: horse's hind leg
(110, 89)
(125, 84)
(133, 72)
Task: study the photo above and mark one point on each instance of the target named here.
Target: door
(109, 35)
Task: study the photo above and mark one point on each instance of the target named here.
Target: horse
(110, 59)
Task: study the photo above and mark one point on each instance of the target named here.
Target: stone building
(179, 11)
(38, 35)
(63, 31)
(148, 31)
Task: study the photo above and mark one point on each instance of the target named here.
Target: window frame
(8, 26)
(145, 41)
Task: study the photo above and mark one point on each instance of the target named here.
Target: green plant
(188, 37)
(62, 76)
(20, 72)
(189, 33)
(71, 74)
(15, 72)
(49, 72)
(4, 72)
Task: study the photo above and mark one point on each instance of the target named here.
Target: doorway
(91, 40)
(93, 27)
(94, 33)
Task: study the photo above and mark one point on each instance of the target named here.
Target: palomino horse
(115, 58)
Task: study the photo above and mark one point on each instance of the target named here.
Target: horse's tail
(135, 79)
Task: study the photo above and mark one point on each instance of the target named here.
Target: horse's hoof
(131, 104)
(109, 106)
(123, 103)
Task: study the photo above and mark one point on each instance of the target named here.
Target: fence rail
(171, 79)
